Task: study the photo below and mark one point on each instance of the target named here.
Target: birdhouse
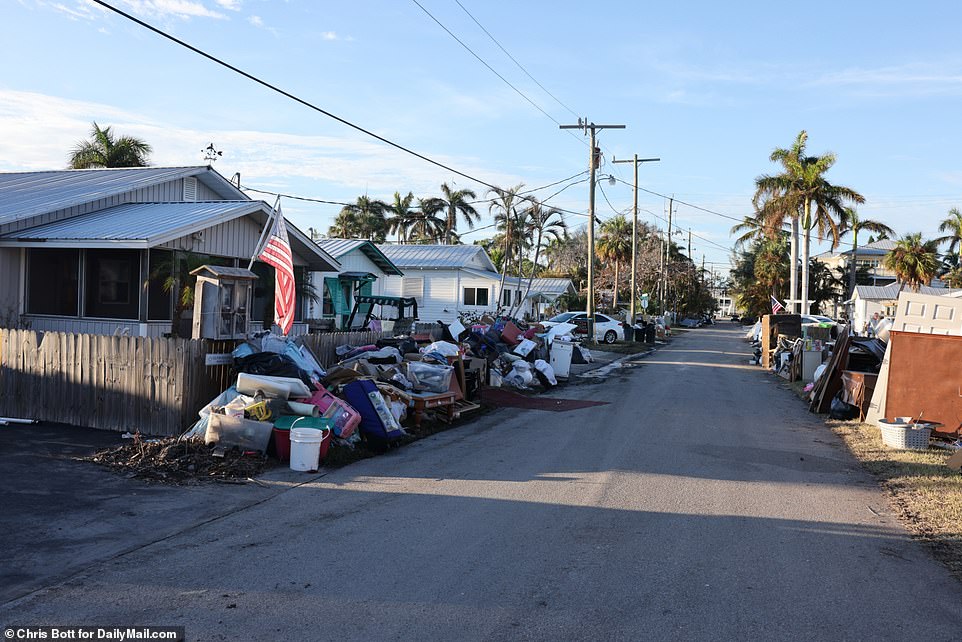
(222, 302)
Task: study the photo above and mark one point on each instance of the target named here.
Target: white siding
(357, 261)
(237, 238)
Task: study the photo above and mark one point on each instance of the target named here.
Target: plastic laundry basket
(903, 435)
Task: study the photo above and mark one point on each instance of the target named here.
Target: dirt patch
(927, 495)
(179, 462)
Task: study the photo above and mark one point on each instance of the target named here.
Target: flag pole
(267, 227)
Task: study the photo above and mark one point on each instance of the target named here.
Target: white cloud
(232, 5)
(329, 35)
(184, 9)
(257, 21)
(931, 79)
(40, 130)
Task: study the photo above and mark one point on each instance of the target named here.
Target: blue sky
(709, 87)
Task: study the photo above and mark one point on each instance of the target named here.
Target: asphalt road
(702, 503)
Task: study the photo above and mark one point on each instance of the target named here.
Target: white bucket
(305, 448)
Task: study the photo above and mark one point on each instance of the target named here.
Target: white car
(607, 329)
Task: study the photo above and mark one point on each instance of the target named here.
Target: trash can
(650, 333)
(629, 332)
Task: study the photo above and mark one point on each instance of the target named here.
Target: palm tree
(362, 219)
(544, 225)
(852, 223)
(798, 188)
(399, 216)
(505, 211)
(456, 202)
(953, 225)
(103, 150)
(914, 261)
(615, 246)
(426, 225)
(751, 228)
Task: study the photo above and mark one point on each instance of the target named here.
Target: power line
(718, 245)
(520, 66)
(290, 95)
(490, 68)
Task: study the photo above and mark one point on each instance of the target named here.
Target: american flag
(776, 306)
(276, 252)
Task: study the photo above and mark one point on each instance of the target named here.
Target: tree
(456, 202)
(399, 216)
(543, 224)
(103, 150)
(801, 186)
(363, 219)
(913, 260)
(852, 223)
(759, 272)
(614, 245)
(953, 225)
(426, 225)
(505, 211)
(751, 228)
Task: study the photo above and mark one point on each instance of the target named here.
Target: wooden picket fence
(151, 385)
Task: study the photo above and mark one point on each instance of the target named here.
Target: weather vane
(211, 154)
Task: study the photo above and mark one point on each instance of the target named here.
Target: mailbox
(222, 302)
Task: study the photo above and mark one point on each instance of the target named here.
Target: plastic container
(243, 433)
(345, 419)
(281, 439)
(273, 387)
(905, 435)
(429, 377)
(306, 444)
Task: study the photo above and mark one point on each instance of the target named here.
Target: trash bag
(546, 370)
(272, 364)
(841, 410)
(443, 347)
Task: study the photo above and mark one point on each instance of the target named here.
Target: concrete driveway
(702, 503)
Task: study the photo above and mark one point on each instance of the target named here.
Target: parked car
(607, 329)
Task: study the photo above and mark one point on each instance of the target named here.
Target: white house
(85, 251)
(363, 265)
(869, 299)
(451, 280)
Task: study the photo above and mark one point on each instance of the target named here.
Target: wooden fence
(151, 385)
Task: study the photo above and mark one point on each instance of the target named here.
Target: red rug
(503, 398)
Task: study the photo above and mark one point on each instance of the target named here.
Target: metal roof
(875, 248)
(27, 194)
(435, 256)
(339, 247)
(891, 291)
(226, 271)
(134, 224)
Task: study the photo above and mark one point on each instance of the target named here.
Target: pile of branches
(178, 462)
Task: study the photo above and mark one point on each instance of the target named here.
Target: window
(476, 296)
(110, 285)
(53, 281)
(159, 302)
(506, 297)
(412, 286)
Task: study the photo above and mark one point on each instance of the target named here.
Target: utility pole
(594, 158)
(634, 233)
(664, 304)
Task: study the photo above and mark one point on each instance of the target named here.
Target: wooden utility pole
(634, 233)
(594, 158)
(664, 301)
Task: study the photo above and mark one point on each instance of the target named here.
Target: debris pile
(178, 461)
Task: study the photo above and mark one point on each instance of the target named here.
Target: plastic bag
(272, 364)
(545, 368)
(442, 347)
(842, 410)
